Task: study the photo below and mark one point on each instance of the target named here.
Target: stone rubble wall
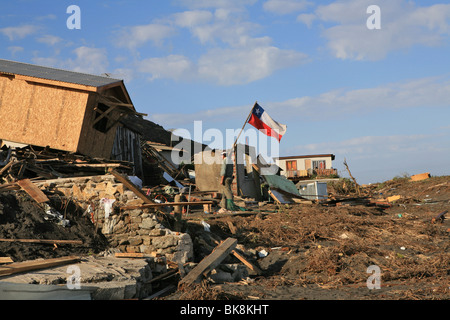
(131, 231)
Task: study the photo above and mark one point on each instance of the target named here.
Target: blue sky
(377, 97)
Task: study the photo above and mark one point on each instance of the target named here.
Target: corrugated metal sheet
(25, 69)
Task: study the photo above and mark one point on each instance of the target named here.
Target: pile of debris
(45, 163)
(62, 211)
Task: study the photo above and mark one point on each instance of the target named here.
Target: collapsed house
(254, 178)
(68, 111)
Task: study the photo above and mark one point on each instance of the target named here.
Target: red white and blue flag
(264, 123)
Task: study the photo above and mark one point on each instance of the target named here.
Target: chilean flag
(263, 122)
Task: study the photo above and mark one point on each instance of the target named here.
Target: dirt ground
(22, 218)
(324, 251)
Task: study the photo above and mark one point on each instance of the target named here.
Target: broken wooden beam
(231, 227)
(165, 204)
(6, 260)
(33, 190)
(131, 186)
(246, 262)
(210, 262)
(26, 266)
(43, 241)
(134, 255)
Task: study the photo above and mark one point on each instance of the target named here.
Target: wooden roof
(62, 78)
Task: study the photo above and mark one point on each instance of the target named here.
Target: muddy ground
(323, 251)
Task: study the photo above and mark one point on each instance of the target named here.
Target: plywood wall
(93, 142)
(41, 115)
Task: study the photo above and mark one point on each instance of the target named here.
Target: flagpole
(248, 118)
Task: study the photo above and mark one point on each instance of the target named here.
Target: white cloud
(175, 67)
(285, 6)
(223, 66)
(49, 40)
(232, 55)
(189, 19)
(245, 65)
(403, 25)
(133, 37)
(230, 4)
(425, 92)
(17, 33)
(14, 50)
(367, 146)
(87, 60)
(307, 18)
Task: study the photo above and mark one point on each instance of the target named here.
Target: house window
(291, 165)
(101, 124)
(318, 164)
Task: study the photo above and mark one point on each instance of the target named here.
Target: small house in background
(65, 110)
(297, 168)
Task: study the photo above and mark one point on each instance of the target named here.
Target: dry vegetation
(322, 251)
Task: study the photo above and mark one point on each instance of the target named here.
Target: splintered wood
(32, 190)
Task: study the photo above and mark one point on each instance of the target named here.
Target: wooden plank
(393, 198)
(231, 227)
(131, 186)
(247, 263)
(279, 197)
(6, 167)
(26, 266)
(165, 204)
(134, 255)
(421, 176)
(43, 241)
(210, 262)
(6, 260)
(33, 190)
